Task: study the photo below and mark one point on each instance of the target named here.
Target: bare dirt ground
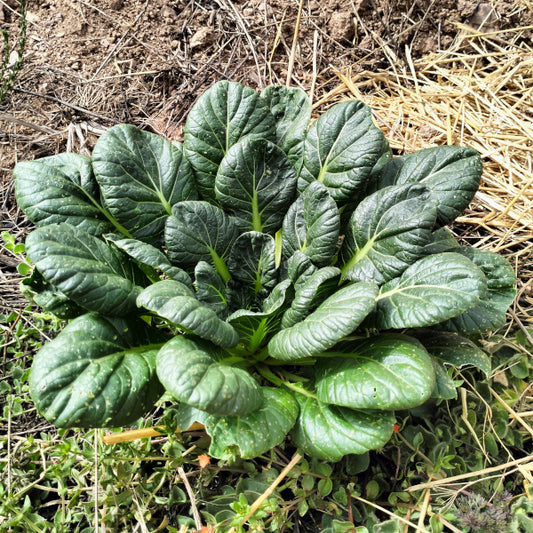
(89, 64)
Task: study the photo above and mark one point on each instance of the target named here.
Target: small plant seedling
(272, 274)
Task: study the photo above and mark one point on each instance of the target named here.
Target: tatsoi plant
(273, 275)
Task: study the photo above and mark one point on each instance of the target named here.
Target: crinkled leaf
(50, 298)
(255, 326)
(451, 173)
(256, 183)
(256, 432)
(97, 372)
(252, 261)
(222, 116)
(311, 225)
(210, 289)
(329, 432)
(141, 176)
(385, 372)
(340, 150)
(310, 294)
(171, 300)
(452, 349)
(291, 109)
(387, 232)
(335, 318)
(199, 231)
(442, 240)
(239, 295)
(92, 273)
(445, 388)
(61, 188)
(150, 256)
(490, 313)
(195, 372)
(431, 290)
(299, 267)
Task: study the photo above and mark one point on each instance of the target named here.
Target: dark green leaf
(291, 109)
(97, 372)
(385, 372)
(311, 225)
(222, 116)
(141, 176)
(310, 294)
(445, 388)
(92, 273)
(299, 268)
(61, 188)
(48, 297)
(491, 312)
(252, 261)
(340, 150)
(451, 173)
(431, 290)
(442, 240)
(452, 349)
(329, 432)
(335, 318)
(256, 432)
(210, 289)
(195, 372)
(149, 255)
(388, 232)
(255, 326)
(171, 300)
(199, 231)
(256, 183)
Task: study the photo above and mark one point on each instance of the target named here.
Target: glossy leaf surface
(329, 432)
(171, 300)
(386, 372)
(141, 176)
(86, 269)
(340, 149)
(388, 232)
(222, 116)
(195, 372)
(335, 318)
(256, 432)
(431, 290)
(256, 183)
(97, 372)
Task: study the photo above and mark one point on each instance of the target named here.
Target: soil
(89, 64)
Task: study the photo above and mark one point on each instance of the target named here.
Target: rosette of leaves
(274, 275)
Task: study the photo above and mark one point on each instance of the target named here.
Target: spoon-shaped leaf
(433, 289)
(256, 183)
(335, 318)
(329, 432)
(97, 372)
(195, 372)
(386, 372)
(89, 271)
(340, 150)
(311, 225)
(61, 188)
(388, 232)
(141, 176)
(222, 116)
(171, 300)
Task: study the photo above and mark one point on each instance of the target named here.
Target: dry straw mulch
(478, 93)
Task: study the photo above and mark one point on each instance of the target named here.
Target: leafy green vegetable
(257, 274)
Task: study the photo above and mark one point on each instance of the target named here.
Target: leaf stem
(220, 266)
(296, 387)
